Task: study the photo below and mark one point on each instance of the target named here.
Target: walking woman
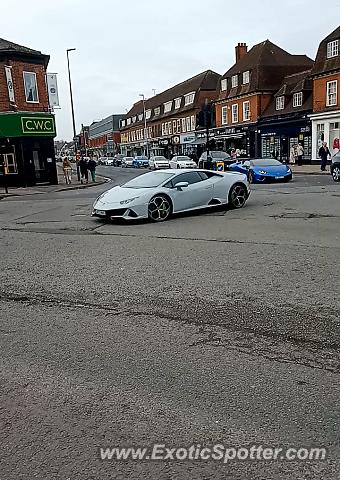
(67, 167)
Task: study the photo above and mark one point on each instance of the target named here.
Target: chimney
(240, 51)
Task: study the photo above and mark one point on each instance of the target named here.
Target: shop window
(31, 88)
(331, 99)
(9, 162)
(333, 49)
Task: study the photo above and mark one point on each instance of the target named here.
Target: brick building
(326, 99)
(170, 118)
(104, 136)
(247, 89)
(27, 128)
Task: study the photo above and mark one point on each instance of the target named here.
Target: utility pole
(72, 110)
(145, 127)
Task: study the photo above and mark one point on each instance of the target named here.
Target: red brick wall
(320, 92)
(19, 90)
(258, 103)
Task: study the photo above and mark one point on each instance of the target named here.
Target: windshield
(160, 158)
(148, 180)
(184, 159)
(265, 162)
(141, 158)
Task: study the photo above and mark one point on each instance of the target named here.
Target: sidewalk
(308, 170)
(61, 187)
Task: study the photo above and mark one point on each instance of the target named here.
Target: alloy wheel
(238, 196)
(336, 174)
(159, 208)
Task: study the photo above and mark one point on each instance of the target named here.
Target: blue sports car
(140, 161)
(263, 170)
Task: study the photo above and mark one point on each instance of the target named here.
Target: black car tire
(336, 173)
(238, 195)
(159, 208)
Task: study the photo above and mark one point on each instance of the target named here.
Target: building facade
(170, 119)
(326, 99)
(27, 128)
(246, 91)
(104, 136)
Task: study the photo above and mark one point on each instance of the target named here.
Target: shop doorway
(40, 167)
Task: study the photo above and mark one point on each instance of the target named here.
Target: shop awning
(230, 135)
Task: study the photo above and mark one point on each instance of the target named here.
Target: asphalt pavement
(220, 327)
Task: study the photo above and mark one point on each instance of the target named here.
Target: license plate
(102, 213)
(279, 178)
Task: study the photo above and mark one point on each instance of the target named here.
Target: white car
(127, 162)
(105, 161)
(158, 162)
(182, 161)
(157, 195)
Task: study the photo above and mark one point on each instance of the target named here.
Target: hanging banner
(8, 71)
(52, 87)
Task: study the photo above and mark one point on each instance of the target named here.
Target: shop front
(325, 128)
(278, 138)
(237, 138)
(27, 154)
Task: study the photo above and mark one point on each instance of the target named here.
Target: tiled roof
(8, 48)
(322, 63)
(206, 81)
(267, 64)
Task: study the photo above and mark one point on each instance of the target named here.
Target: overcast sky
(128, 47)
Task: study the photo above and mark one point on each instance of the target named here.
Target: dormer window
(224, 84)
(128, 121)
(280, 103)
(140, 117)
(157, 111)
(297, 99)
(234, 81)
(134, 119)
(333, 49)
(189, 98)
(148, 114)
(177, 102)
(245, 77)
(167, 107)
(122, 124)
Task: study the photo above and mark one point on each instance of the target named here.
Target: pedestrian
(299, 153)
(292, 155)
(233, 154)
(323, 154)
(67, 168)
(83, 170)
(92, 167)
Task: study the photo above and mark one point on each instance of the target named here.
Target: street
(219, 327)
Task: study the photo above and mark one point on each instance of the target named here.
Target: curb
(82, 186)
(311, 173)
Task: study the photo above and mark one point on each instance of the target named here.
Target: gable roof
(268, 64)
(206, 81)
(322, 63)
(10, 48)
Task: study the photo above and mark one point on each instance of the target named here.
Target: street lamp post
(145, 127)
(72, 109)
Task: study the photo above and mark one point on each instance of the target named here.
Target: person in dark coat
(92, 168)
(323, 154)
(83, 170)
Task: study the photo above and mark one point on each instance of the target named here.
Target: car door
(197, 194)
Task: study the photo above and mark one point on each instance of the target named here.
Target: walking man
(92, 167)
(83, 170)
(299, 154)
(67, 168)
(323, 154)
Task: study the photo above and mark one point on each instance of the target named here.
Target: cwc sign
(37, 125)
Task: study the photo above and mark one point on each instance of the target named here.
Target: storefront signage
(188, 138)
(163, 142)
(8, 72)
(27, 125)
(176, 140)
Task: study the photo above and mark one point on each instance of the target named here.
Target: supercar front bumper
(127, 212)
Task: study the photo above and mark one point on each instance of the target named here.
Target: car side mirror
(246, 164)
(181, 185)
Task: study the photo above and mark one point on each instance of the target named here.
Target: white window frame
(332, 94)
(148, 114)
(128, 121)
(163, 129)
(333, 49)
(234, 113)
(140, 117)
(246, 109)
(234, 81)
(157, 111)
(246, 77)
(192, 123)
(189, 98)
(224, 84)
(187, 121)
(224, 115)
(167, 107)
(280, 102)
(170, 128)
(122, 123)
(178, 102)
(36, 86)
(178, 125)
(297, 99)
(184, 125)
(134, 119)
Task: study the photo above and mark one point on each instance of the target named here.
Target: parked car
(157, 195)
(127, 162)
(158, 162)
(335, 167)
(263, 170)
(140, 161)
(182, 161)
(216, 156)
(117, 159)
(102, 161)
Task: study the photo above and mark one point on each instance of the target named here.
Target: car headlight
(288, 170)
(263, 172)
(124, 202)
